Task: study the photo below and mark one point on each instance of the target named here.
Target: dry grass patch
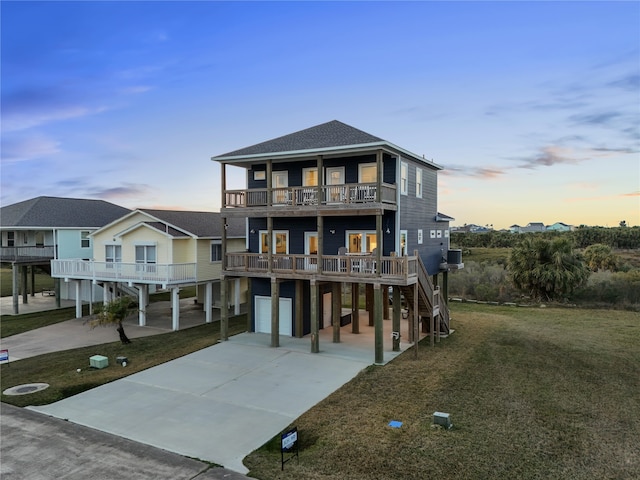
(533, 394)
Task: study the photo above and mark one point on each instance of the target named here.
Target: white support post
(236, 297)
(78, 298)
(175, 308)
(143, 293)
(208, 294)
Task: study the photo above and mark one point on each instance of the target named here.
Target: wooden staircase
(429, 300)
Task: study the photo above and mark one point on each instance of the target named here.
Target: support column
(315, 317)
(15, 283)
(105, 292)
(25, 285)
(379, 331)
(249, 307)
(275, 313)
(236, 297)
(32, 270)
(91, 295)
(224, 311)
(336, 310)
(369, 302)
(397, 313)
(416, 318)
(56, 286)
(208, 303)
(385, 302)
(78, 298)
(355, 308)
(175, 308)
(143, 290)
(299, 311)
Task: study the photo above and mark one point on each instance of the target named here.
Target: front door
(280, 184)
(311, 248)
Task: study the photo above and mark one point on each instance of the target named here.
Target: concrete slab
(221, 403)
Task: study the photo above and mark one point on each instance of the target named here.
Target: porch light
(332, 231)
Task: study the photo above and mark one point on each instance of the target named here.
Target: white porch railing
(124, 272)
(359, 193)
(359, 266)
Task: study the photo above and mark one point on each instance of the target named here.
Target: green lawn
(14, 324)
(42, 281)
(533, 394)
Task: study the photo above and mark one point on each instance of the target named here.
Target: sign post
(4, 356)
(289, 445)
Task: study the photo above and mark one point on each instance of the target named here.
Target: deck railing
(357, 194)
(14, 254)
(359, 266)
(124, 272)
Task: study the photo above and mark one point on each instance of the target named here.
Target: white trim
(420, 236)
(404, 189)
(336, 169)
(273, 239)
(421, 184)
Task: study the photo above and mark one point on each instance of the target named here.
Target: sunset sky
(533, 108)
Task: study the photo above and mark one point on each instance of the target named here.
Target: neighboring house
(515, 228)
(148, 249)
(38, 230)
(533, 227)
(333, 205)
(559, 227)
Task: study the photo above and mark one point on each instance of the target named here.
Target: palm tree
(547, 269)
(114, 312)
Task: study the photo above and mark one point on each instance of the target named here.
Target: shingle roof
(56, 212)
(200, 224)
(326, 135)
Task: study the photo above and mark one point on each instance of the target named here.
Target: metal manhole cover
(27, 388)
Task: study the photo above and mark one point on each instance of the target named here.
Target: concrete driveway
(220, 403)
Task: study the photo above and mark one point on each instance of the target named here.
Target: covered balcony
(345, 197)
(343, 268)
(156, 273)
(27, 254)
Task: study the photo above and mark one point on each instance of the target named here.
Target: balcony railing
(358, 266)
(152, 273)
(347, 194)
(14, 254)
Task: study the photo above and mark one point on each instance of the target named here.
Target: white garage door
(263, 315)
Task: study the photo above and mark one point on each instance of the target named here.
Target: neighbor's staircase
(429, 300)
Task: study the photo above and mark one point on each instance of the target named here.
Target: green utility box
(98, 361)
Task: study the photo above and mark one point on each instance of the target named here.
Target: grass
(14, 324)
(42, 281)
(482, 254)
(59, 369)
(533, 394)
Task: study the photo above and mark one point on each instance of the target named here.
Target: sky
(532, 108)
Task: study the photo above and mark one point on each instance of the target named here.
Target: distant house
(515, 228)
(560, 227)
(333, 205)
(148, 249)
(533, 227)
(38, 230)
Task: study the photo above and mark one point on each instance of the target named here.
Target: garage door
(263, 315)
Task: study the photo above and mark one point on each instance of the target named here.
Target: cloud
(549, 156)
(478, 172)
(21, 147)
(631, 194)
(126, 190)
(597, 119)
(630, 82)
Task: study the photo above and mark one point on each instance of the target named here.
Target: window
(259, 175)
(39, 239)
(84, 239)
(310, 177)
(432, 234)
(145, 254)
(11, 239)
(280, 238)
(418, 182)
(216, 252)
(367, 173)
(403, 243)
(113, 253)
(404, 178)
(420, 236)
(356, 243)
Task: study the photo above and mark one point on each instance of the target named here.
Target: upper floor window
(11, 239)
(310, 177)
(280, 239)
(404, 178)
(418, 182)
(367, 173)
(216, 252)
(84, 239)
(420, 236)
(145, 254)
(113, 253)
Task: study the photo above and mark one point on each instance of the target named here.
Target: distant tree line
(582, 237)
